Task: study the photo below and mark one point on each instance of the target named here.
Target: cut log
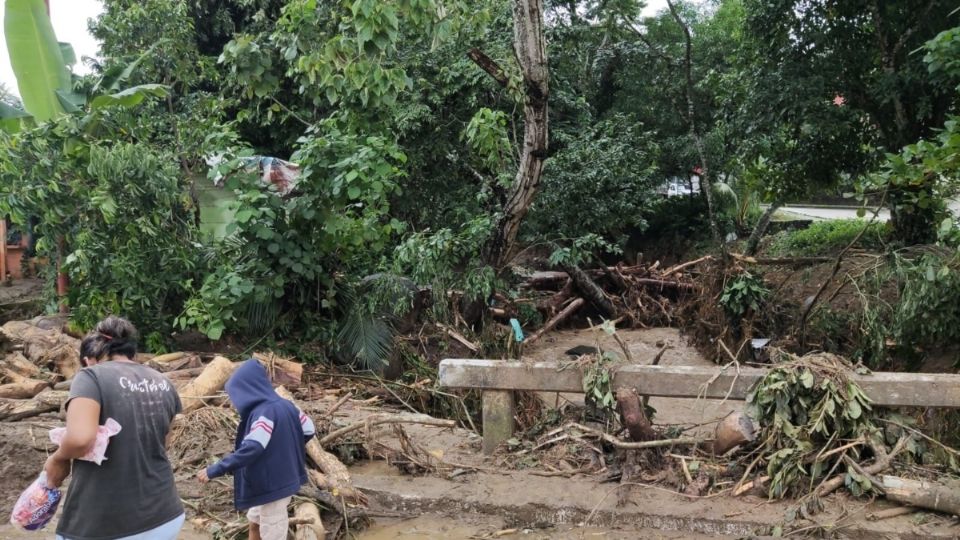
(557, 319)
(25, 389)
(674, 269)
(922, 494)
(311, 527)
(735, 429)
(591, 290)
(18, 362)
(184, 362)
(340, 483)
(282, 371)
(632, 415)
(207, 384)
(12, 410)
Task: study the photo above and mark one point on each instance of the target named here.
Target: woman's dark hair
(114, 335)
(92, 346)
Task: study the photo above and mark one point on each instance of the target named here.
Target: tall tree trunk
(760, 229)
(531, 51)
(705, 183)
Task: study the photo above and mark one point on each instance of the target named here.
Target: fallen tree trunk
(195, 394)
(557, 319)
(176, 364)
(922, 494)
(334, 471)
(632, 415)
(591, 290)
(12, 410)
(184, 374)
(311, 527)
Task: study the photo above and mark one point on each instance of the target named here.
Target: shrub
(825, 237)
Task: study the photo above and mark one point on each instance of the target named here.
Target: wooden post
(3, 249)
(498, 424)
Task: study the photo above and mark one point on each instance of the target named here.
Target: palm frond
(365, 338)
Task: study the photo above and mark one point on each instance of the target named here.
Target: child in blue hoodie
(268, 464)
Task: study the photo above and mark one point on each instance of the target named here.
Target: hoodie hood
(250, 386)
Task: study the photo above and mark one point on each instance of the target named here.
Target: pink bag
(104, 432)
(36, 505)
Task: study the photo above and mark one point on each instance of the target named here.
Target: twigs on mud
(371, 421)
(626, 445)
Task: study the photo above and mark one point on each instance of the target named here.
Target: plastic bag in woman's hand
(36, 505)
(96, 453)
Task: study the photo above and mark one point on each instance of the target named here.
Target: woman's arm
(83, 418)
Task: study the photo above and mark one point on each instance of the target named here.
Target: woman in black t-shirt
(132, 493)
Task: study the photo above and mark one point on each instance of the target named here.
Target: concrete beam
(885, 389)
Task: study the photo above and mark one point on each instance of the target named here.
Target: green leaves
(744, 293)
(131, 97)
(36, 58)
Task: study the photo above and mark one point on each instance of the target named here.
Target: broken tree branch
(489, 65)
(680, 441)
(557, 319)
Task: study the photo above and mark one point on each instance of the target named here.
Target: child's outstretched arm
(309, 430)
(253, 444)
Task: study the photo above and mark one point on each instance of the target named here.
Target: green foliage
(829, 237)
(598, 383)
(36, 58)
(806, 407)
(743, 294)
(601, 180)
(93, 196)
(925, 315)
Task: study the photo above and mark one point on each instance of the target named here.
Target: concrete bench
(498, 379)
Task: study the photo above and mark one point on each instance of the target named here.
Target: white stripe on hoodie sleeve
(260, 431)
(307, 424)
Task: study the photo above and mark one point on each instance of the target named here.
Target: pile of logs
(614, 291)
(39, 361)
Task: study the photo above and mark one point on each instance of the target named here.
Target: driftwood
(282, 371)
(184, 374)
(627, 445)
(665, 284)
(780, 261)
(210, 381)
(921, 494)
(557, 319)
(591, 291)
(632, 415)
(735, 429)
(881, 463)
(676, 268)
(891, 513)
(310, 527)
(19, 386)
(12, 410)
(333, 470)
(18, 362)
(176, 364)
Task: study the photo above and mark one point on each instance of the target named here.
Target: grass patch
(827, 237)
